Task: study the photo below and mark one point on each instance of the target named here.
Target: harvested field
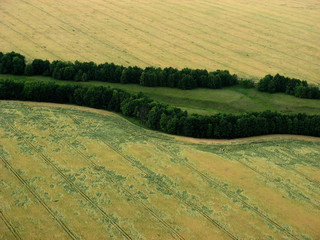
(249, 38)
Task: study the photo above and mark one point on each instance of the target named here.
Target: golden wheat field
(249, 38)
(77, 173)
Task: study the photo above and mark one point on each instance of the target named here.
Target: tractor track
(85, 196)
(175, 195)
(174, 233)
(49, 210)
(228, 194)
(9, 225)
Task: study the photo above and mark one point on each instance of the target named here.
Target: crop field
(77, 173)
(249, 38)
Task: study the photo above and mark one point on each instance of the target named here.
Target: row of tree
(162, 117)
(14, 63)
(287, 85)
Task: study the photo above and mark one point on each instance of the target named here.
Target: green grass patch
(234, 99)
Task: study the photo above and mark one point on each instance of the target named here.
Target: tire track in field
(266, 63)
(74, 186)
(15, 46)
(47, 37)
(276, 19)
(174, 194)
(145, 60)
(178, 56)
(27, 38)
(262, 174)
(242, 38)
(163, 50)
(49, 210)
(301, 174)
(175, 45)
(225, 191)
(167, 225)
(174, 232)
(229, 193)
(9, 225)
(239, 37)
(292, 14)
(235, 13)
(286, 35)
(199, 45)
(111, 46)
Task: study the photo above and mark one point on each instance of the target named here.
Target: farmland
(77, 173)
(249, 38)
(234, 100)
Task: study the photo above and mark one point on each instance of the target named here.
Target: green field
(209, 101)
(249, 38)
(77, 173)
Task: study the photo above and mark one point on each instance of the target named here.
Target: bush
(246, 83)
(289, 86)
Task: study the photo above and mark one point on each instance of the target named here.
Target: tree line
(292, 86)
(160, 116)
(14, 63)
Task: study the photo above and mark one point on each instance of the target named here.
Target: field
(249, 38)
(77, 173)
(208, 101)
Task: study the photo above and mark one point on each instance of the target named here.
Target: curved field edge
(249, 190)
(182, 139)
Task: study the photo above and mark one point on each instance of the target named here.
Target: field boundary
(180, 139)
